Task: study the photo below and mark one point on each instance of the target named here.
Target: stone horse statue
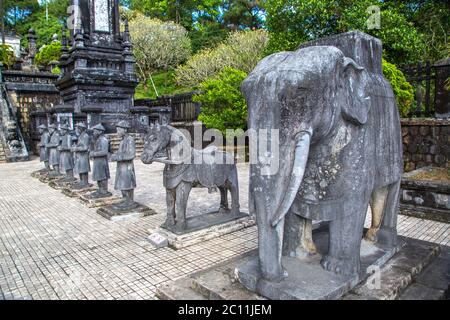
(187, 167)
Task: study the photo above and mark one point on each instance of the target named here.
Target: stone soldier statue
(100, 167)
(125, 174)
(66, 157)
(53, 152)
(43, 152)
(81, 155)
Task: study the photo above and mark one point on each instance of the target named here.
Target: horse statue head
(166, 144)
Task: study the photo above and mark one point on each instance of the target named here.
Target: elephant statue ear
(356, 102)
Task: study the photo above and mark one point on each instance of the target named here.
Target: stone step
(399, 272)
(433, 282)
(221, 285)
(179, 290)
(215, 283)
(418, 270)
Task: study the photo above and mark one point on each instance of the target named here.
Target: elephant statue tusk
(298, 170)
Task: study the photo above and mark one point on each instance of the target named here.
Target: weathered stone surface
(425, 139)
(398, 273)
(76, 193)
(393, 281)
(158, 240)
(98, 202)
(306, 279)
(436, 275)
(417, 291)
(180, 290)
(203, 233)
(109, 212)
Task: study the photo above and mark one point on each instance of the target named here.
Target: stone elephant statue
(340, 141)
(187, 167)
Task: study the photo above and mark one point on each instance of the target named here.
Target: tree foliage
(241, 50)
(48, 53)
(292, 22)
(223, 106)
(7, 57)
(157, 45)
(403, 90)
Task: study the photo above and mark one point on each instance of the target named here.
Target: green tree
(242, 14)
(18, 12)
(223, 106)
(292, 22)
(45, 29)
(403, 91)
(48, 53)
(241, 50)
(157, 45)
(7, 57)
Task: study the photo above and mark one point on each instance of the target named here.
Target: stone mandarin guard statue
(66, 158)
(81, 152)
(53, 153)
(100, 167)
(43, 152)
(125, 174)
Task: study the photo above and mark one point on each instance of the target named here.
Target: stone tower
(97, 81)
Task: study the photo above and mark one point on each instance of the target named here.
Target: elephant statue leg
(344, 244)
(234, 191)
(223, 200)
(181, 200)
(298, 240)
(387, 235)
(170, 200)
(377, 205)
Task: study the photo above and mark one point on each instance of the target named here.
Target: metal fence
(427, 80)
(183, 109)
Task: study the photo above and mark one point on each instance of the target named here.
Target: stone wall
(31, 92)
(426, 142)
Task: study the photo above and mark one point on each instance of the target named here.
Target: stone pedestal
(39, 173)
(307, 280)
(201, 228)
(76, 193)
(417, 266)
(139, 211)
(60, 183)
(47, 177)
(98, 202)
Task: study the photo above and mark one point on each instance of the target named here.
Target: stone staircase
(114, 141)
(2, 153)
(418, 272)
(13, 147)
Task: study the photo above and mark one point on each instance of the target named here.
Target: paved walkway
(54, 247)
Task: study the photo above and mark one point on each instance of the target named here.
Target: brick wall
(426, 142)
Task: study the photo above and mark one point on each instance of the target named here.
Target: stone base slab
(77, 193)
(99, 202)
(178, 241)
(307, 280)
(59, 184)
(417, 263)
(39, 173)
(141, 211)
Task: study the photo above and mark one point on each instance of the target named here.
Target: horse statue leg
(223, 200)
(181, 199)
(233, 186)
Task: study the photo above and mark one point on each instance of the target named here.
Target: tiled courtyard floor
(54, 247)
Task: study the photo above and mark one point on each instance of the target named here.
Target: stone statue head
(98, 130)
(80, 128)
(122, 128)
